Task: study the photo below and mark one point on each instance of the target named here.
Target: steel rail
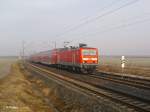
(121, 81)
(126, 89)
(124, 100)
(142, 81)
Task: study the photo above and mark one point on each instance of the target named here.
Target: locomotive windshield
(88, 52)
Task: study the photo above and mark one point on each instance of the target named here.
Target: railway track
(130, 80)
(124, 99)
(136, 91)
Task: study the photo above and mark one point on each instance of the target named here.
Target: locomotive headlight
(94, 59)
(85, 59)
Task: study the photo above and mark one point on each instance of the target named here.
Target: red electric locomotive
(80, 59)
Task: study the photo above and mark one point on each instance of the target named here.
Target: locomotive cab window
(89, 52)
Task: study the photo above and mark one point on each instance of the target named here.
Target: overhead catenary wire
(97, 17)
(130, 19)
(88, 17)
(114, 28)
(117, 27)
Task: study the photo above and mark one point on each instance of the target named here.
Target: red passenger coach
(80, 59)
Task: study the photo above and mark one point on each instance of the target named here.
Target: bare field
(134, 65)
(17, 94)
(5, 65)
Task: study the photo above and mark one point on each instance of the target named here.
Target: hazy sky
(111, 25)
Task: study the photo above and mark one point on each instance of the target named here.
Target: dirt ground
(17, 94)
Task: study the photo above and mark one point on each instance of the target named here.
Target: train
(79, 59)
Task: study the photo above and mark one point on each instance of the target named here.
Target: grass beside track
(5, 65)
(18, 94)
(134, 65)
